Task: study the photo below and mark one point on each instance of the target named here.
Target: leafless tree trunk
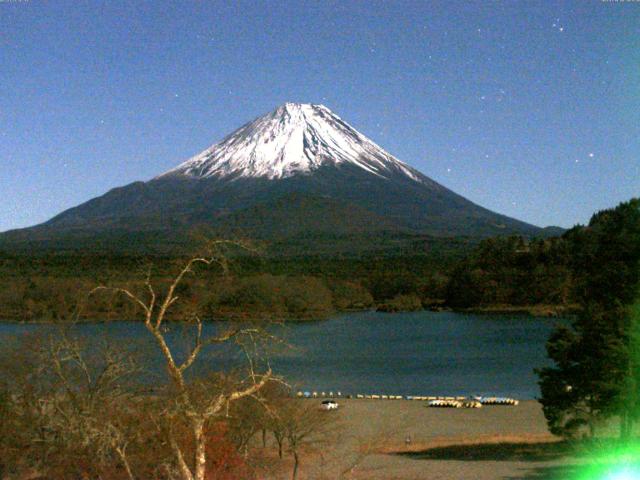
(280, 441)
(196, 413)
(296, 462)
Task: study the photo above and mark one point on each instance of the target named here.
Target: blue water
(421, 353)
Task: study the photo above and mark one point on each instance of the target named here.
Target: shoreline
(534, 311)
(550, 311)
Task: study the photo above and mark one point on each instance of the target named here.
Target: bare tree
(87, 394)
(278, 429)
(71, 407)
(195, 404)
(304, 424)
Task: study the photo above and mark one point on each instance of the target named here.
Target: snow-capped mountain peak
(293, 139)
(338, 184)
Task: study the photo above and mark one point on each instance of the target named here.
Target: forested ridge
(500, 274)
(50, 287)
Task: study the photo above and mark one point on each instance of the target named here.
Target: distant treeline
(509, 274)
(57, 287)
(513, 272)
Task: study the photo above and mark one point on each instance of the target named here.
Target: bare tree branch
(186, 402)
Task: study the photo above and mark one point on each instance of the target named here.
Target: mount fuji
(299, 171)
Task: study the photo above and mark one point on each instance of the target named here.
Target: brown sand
(368, 434)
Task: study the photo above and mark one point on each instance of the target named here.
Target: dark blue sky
(531, 109)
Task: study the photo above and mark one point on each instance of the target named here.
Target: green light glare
(621, 463)
(624, 473)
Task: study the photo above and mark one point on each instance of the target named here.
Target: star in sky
(557, 26)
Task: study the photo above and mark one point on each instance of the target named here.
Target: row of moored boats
(438, 402)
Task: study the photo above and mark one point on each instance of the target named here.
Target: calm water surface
(421, 353)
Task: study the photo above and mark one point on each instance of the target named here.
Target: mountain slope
(299, 169)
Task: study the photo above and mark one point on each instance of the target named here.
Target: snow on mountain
(295, 138)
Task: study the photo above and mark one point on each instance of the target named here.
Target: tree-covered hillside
(312, 276)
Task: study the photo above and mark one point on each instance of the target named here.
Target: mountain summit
(299, 172)
(295, 138)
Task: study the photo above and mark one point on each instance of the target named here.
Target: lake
(418, 353)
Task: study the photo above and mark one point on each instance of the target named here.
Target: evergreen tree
(595, 359)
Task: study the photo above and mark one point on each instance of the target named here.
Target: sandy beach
(385, 439)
